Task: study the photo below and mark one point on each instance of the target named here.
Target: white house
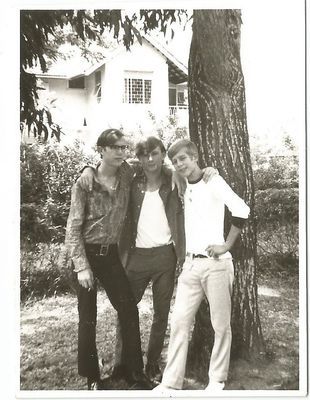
(120, 91)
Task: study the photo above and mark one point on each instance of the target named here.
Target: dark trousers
(156, 265)
(111, 274)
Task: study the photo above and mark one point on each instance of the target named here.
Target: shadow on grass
(48, 347)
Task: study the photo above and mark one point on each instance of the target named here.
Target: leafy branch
(40, 28)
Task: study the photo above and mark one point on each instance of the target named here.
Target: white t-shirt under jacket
(153, 229)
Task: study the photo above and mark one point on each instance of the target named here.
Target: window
(98, 86)
(147, 91)
(177, 97)
(77, 83)
(137, 91)
(181, 98)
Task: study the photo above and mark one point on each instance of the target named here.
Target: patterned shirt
(96, 217)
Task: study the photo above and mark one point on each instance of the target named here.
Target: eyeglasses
(117, 147)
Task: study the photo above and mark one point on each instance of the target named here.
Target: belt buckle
(103, 250)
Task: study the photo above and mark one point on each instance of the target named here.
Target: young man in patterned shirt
(94, 226)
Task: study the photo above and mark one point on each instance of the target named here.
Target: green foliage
(275, 172)
(276, 203)
(278, 246)
(44, 272)
(40, 28)
(48, 172)
(168, 130)
(276, 165)
(276, 206)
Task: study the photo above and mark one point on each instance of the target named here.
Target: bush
(277, 172)
(48, 172)
(276, 212)
(168, 130)
(276, 206)
(45, 271)
(279, 240)
(276, 209)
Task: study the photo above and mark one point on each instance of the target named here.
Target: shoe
(163, 388)
(153, 372)
(138, 381)
(95, 384)
(215, 387)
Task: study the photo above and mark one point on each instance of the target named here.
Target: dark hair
(145, 146)
(109, 137)
(190, 148)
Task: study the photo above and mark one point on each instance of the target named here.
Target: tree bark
(217, 115)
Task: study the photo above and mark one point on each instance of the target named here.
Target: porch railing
(173, 110)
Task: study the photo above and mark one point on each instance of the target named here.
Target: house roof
(177, 71)
(74, 68)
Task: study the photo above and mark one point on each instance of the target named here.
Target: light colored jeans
(201, 277)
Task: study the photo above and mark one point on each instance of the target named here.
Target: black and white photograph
(156, 224)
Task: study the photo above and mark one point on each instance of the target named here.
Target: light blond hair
(189, 146)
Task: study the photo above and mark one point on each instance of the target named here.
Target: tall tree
(217, 123)
(217, 116)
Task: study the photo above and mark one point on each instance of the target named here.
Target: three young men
(208, 269)
(153, 240)
(156, 240)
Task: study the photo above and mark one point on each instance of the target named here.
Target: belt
(149, 250)
(99, 249)
(193, 255)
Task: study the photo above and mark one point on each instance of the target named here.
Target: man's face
(115, 154)
(152, 161)
(183, 163)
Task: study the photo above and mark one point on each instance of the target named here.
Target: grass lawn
(48, 350)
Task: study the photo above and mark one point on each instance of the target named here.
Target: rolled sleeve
(74, 239)
(238, 222)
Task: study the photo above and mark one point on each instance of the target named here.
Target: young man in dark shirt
(154, 238)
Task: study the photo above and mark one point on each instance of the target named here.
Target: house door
(172, 97)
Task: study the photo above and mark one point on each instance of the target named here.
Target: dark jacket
(174, 213)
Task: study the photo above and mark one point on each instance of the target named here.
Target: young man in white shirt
(208, 269)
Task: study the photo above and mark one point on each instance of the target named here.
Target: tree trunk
(217, 115)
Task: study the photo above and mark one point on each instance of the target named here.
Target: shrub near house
(277, 211)
(48, 172)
